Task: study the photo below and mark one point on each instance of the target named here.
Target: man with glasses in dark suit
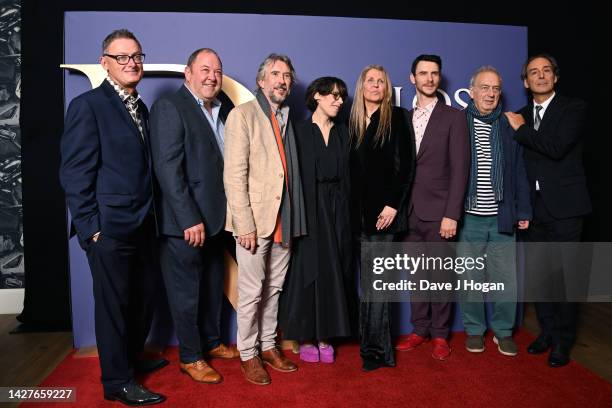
(106, 174)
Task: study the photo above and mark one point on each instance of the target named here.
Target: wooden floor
(26, 359)
(593, 349)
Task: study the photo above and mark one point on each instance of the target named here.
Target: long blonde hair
(357, 121)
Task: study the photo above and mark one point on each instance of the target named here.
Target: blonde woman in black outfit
(382, 168)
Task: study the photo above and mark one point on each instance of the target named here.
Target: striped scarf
(497, 157)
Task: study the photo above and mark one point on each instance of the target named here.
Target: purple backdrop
(317, 45)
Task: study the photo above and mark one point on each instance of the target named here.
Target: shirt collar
(123, 93)
(429, 108)
(544, 104)
(215, 103)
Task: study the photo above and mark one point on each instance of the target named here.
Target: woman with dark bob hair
(382, 169)
(315, 304)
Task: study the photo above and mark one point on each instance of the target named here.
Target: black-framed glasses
(336, 95)
(125, 59)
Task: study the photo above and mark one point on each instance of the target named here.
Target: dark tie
(538, 119)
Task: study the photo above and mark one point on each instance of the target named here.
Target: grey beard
(275, 99)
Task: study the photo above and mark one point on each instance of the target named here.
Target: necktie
(538, 119)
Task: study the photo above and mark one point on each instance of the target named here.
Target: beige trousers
(260, 280)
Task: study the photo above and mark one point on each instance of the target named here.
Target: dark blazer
(553, 156)
(442, 166)
(188, 165)
(516, 203)
(382, 175)
(105, 168)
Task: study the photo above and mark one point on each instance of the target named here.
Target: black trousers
(125, 278)
(194, 284)
(375, 343)
(557, 319)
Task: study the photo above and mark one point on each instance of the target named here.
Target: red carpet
(466, 380)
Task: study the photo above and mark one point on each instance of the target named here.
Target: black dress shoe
(559, 356)
(148, 366)
(134, 395)
(539, 345)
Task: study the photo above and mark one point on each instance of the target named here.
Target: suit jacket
(253, 175)
(188, 165)
(105, 168)
(442, 166)
(553, 156)
(382, 175)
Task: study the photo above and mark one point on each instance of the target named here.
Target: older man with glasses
(106, 174)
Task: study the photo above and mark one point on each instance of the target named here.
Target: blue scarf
(497, 157)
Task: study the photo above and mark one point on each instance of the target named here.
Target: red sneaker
(441, 349)
(411, 342)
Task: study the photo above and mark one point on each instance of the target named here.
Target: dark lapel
(528, 114)
(551, 111)
(119, 106)
(431, 129)
(144, 116)
(203, 123)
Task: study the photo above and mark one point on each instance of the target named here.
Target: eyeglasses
(336, 95)
(125, 59)
(486, 89)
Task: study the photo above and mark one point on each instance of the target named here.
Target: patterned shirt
(131, 104)
(420, 119)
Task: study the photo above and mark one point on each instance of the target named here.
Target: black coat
(382, 175)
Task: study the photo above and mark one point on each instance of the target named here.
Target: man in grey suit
(187, 130)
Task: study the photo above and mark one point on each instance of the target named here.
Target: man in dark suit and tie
(436, 204)
(550, 130)
(106, 174)
(187, 130)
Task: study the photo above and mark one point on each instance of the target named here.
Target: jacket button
(278, 197)
(281, 175)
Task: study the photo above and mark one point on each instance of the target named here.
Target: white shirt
(544, 106)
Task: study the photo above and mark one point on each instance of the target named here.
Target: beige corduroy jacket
(253, 173)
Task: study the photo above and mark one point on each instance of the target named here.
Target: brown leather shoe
(201, 372)
(223, 351)
(277, 361)
(254, 372)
